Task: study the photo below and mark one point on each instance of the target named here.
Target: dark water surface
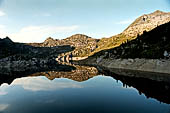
(100, 94)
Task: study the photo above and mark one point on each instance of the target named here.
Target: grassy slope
(112, 42)
(149, 45)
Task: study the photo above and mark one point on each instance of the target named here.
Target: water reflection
(42, 84)
(3, 107)
(8, 75)
(159, 90)
(84, 90)
(81, 73)
(99, 94)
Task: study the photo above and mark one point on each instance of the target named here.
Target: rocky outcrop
(50, 42)
(83, 44)
(147, 22)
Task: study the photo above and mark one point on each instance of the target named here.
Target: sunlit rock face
(83, 44)
(147, 22)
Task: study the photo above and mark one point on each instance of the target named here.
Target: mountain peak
(49, 39)
(158, 12)
(50, 42)
(6, 40)
(147, 22)
(79, 36)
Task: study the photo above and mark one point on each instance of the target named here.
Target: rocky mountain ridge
(154, 44)
(87, 46)
(83, 44)
(147, 22)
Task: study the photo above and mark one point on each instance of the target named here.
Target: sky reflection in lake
(99, 94)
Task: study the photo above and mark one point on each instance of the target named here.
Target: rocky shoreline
(148, 65)
(26, 67)
(155, 69)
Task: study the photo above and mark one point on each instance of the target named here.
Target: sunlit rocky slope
(82, 45)
(87, 46)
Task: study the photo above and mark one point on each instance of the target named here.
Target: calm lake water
(100, 94)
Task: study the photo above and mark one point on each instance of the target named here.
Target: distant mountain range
(87, 46)
(17, 51)
(84, 45)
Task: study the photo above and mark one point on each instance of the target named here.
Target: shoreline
(147, 65)
(154, 69)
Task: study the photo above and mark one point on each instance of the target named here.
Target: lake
(73, 92)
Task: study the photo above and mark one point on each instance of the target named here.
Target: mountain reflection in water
(83, 90)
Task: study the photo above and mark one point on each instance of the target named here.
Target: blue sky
(35, 20)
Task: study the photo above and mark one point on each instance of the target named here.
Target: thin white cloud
(42, 84)
(39, 33)
(2, 13)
